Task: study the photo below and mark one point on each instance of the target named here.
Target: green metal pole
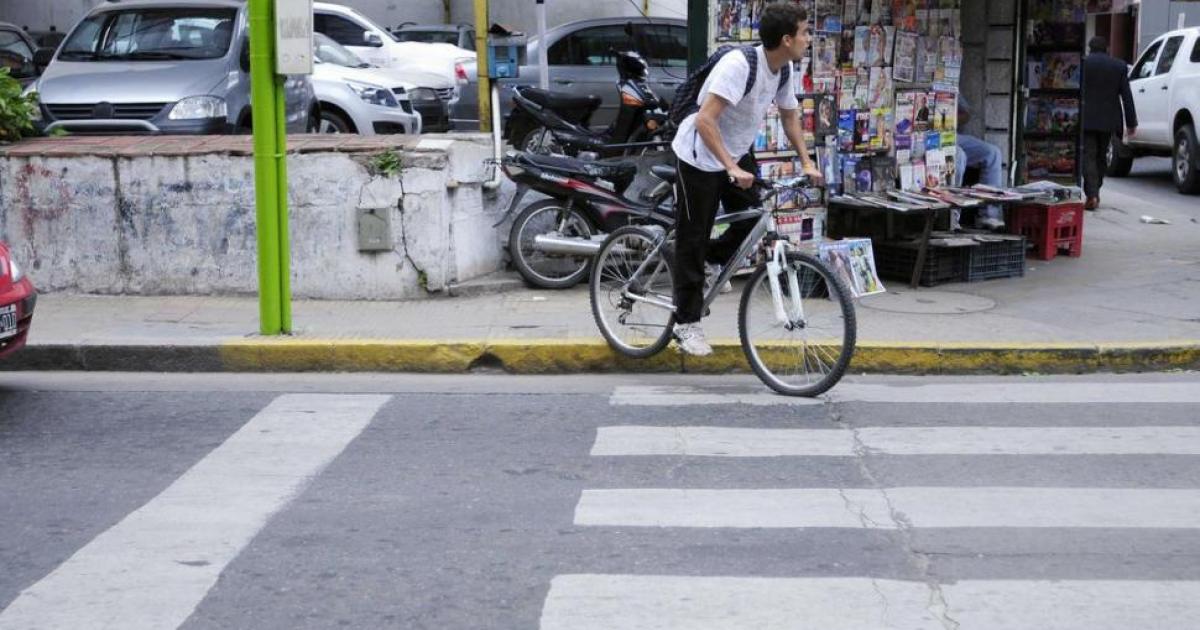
(285, 266)
(697, 21)
(266, 184)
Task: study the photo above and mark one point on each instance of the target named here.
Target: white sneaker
(691, 340)
(711, 272)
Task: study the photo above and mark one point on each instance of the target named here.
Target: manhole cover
(925, 302)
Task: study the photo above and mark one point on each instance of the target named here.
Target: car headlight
(15, 271)
(374, 94)
(424, 95)
(197, 107)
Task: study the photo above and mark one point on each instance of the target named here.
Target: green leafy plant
(16, 109)
(387, 163)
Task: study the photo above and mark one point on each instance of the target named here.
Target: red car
(17, 299)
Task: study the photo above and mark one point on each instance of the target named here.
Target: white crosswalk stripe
(723, 602)
(648, 602)
(871, 508)
(965, 393)
(151, 569)
(738, 442)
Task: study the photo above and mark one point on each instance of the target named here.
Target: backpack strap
(752, 59)
(785, 73)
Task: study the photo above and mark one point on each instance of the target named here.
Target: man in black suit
(1105, 90)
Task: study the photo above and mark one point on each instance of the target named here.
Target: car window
(339, 29)
(665, 46)
(428, 37)
(1145, 66)
(152, 34)
(589, 47)
(1167, 58)
(15, 54)
(329, 51)
(1196, 51)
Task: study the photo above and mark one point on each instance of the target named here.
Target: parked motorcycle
(552, 242)
(548, 122)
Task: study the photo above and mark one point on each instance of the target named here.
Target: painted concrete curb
(562, 357)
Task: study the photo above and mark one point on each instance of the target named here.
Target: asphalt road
(488, 501)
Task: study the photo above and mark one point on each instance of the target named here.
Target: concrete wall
(988, 49)
(143, 223)
(40, 14)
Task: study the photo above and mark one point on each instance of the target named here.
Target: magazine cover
(1033, 74)
(728, 21)
(922, 112)
(1061, 70)
(918, 174)
(947, 116)
(904, 117)
(863, 176)
(862, 44)
(846, 94)
(933, 140)
(877, 46)
(829, 16)
(849, 169)
(846, 120)
(905, 62)
(883, 173)
(827, 115)
(949, 158)
(935, 165)
(825, 52)
(883, 94)
(862, 89)
(862, 130)
(846, 53)
(1065, 115)
(882, 128)
(745, 23)
(928, 55)
(906, 175)
(904, 15)
(853, 260)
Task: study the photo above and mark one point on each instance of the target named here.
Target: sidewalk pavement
(1131, 303)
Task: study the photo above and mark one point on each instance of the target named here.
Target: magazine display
(853, 260)
(1055, 35)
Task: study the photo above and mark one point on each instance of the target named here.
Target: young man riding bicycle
(715, 165)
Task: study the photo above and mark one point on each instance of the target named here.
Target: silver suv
(160, 66)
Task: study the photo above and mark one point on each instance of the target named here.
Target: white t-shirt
(742, 118)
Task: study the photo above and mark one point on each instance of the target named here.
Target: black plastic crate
(996, 259)
(943, 265)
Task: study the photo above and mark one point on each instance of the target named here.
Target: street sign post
(280, 44)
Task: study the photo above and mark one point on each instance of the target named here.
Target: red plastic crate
(1049, 228)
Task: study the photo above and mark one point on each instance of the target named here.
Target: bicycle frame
(765, 225)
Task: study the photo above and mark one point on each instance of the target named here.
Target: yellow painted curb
(548, 356)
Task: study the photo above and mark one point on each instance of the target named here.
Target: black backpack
(685, 105)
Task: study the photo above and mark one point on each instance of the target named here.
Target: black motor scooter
(552, 242)
(548, 122)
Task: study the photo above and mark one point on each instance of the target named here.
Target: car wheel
(1183, 164)
(332, 122)
(1120, 158)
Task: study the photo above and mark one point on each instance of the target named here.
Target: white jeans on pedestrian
(973, 152)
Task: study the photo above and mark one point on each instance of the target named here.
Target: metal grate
(121, 111)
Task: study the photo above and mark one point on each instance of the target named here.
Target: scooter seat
(664, 172)
(563, 102)
(621, 174)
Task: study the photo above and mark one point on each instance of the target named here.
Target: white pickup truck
(1166, 91)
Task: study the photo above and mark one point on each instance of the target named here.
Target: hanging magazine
(905, 61)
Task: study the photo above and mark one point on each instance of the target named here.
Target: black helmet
(630, 64)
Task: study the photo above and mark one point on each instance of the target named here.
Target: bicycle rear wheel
(634, 328)
(809, 353)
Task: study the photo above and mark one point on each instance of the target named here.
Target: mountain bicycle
(796, 317)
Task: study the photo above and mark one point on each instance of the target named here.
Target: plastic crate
(1049, 228)
(996, 259)
(943, 265)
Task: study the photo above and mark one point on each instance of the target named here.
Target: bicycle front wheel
(809, 352)
(633, 308)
